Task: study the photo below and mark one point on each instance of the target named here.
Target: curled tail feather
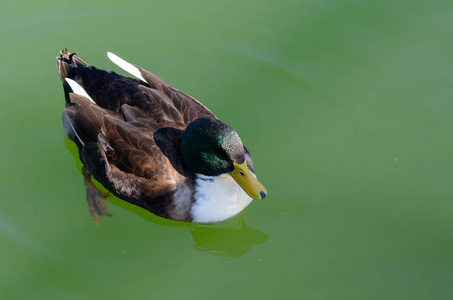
(67, 60)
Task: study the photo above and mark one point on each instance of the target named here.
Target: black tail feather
(66, 61)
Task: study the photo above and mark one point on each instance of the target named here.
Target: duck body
(154, 146)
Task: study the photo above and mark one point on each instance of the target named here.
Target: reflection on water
(228, 242)
(229, 239)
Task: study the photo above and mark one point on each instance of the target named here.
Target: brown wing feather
(133, 150)
(86, 117)
(152, 195)
(130, 146)
(188, 107)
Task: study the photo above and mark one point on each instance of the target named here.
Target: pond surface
(347, 108)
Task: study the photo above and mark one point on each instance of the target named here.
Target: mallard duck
(154, 146)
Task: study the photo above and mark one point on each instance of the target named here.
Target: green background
(346, 107)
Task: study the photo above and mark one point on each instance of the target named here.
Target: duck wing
(162, 102)
(120, 151)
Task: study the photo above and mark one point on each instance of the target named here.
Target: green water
(346, 107)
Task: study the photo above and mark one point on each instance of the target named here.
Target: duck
(152, 145)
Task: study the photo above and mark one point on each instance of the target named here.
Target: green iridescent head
(210, 147)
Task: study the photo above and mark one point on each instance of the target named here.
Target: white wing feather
(129, 68)
(77, 89)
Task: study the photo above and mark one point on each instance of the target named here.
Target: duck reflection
(229, 239)
(228, 242)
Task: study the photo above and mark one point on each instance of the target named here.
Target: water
(346, 108)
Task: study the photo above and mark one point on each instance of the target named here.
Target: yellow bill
(247, 181)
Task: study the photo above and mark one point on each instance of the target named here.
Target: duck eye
(242, 173)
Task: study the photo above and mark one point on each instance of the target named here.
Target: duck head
(212, 148)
